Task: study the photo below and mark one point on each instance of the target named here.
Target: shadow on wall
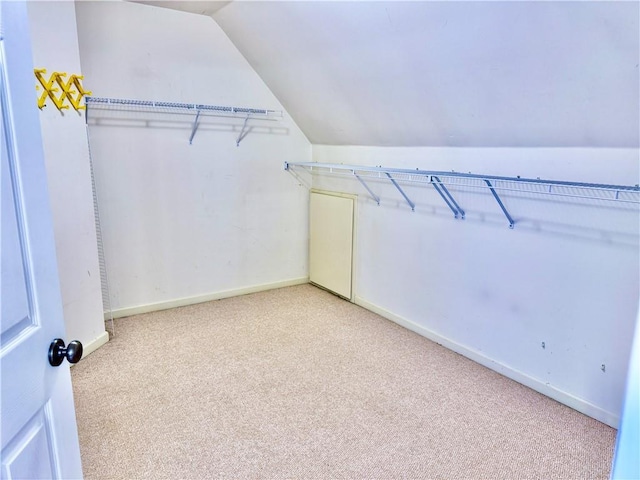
(614, 223)
(619, 239)
(184, 121)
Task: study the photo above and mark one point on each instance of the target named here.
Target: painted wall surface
(438, 73)
(566, 275)
(180, 220)
(55, 47)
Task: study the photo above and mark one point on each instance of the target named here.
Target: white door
(331, 242)
(38, 432)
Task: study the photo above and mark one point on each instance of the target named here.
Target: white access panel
(331, 242)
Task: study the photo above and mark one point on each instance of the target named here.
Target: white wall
(55, 47)
(566, 275)
(181, 222)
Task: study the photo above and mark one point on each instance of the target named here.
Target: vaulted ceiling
(450, 73)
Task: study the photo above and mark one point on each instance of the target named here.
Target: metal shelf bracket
(625, 194)
(411, 204)
(504, 210)
(195, 127)
(201, 111)
(453, 205)
(373, 195)
(242, 132)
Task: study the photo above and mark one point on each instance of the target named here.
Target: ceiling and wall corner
(445, 73)
(463, 74)
(199, 7)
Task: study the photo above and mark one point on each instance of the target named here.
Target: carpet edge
(578, 404)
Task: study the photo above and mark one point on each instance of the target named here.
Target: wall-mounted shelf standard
(440, 181)
(197, 110)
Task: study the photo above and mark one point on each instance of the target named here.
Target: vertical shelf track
(102, 262)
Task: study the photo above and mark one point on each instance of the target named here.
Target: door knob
(58, 352)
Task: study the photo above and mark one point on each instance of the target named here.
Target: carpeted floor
(296, 383)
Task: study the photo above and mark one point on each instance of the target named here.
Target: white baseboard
(565, 398)
(93, 345)
(181, 302)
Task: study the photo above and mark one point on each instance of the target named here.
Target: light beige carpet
(296, 383)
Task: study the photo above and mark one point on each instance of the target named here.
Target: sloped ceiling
(471, 74)
(192, 6)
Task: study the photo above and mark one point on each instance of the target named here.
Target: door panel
(31, 444)
(331, 242)
(15, 313)
(38, 432)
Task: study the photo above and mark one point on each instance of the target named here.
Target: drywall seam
(181, 302)
(565, 398)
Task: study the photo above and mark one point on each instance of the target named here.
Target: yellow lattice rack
(71, 90)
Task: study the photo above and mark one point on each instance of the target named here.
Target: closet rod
(197, 109)
(190, 107)
(426, 173)
(439, 180)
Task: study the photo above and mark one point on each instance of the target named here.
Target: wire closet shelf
(444, 182)
(196, 110)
